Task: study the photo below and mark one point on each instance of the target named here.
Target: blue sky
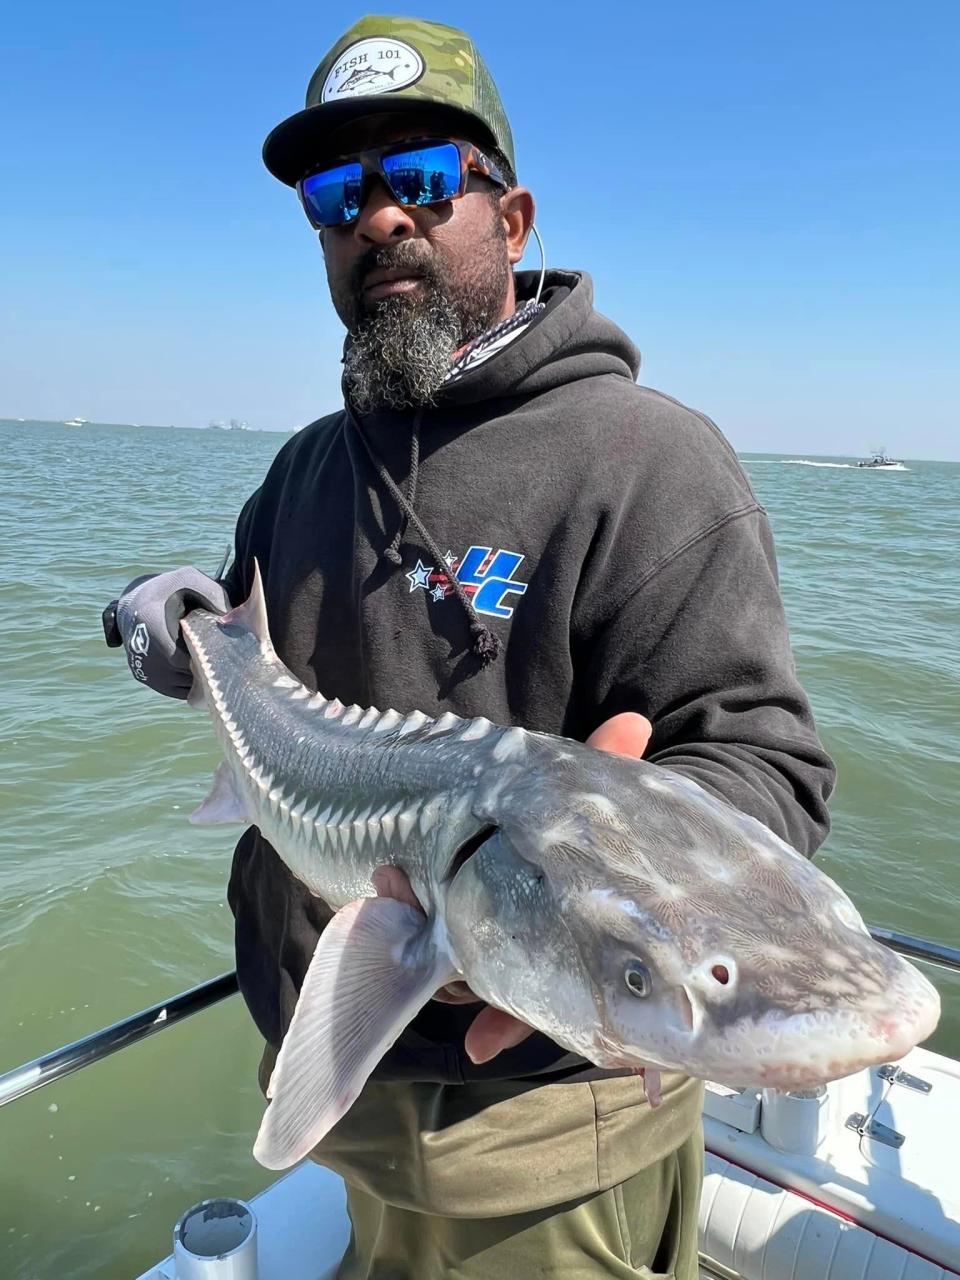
(766, 194)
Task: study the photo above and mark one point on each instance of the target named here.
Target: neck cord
(519, 319)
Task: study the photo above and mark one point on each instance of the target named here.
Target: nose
(382, 219)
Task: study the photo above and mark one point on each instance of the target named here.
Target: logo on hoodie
(485, 575)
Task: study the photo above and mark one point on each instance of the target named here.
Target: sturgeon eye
(637, 978)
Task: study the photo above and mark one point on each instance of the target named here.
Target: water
(110, 901)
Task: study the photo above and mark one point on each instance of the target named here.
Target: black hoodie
(607, 535)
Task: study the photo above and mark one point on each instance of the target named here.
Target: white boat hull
(853, 1208)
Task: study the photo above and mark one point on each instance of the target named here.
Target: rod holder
(216, 1240)
(795, 1121)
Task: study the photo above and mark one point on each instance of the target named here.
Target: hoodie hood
(567, 341)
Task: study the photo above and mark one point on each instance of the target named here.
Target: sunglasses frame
(472, 160)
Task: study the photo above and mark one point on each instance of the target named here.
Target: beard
(400, 348)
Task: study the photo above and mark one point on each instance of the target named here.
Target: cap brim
(309, 138)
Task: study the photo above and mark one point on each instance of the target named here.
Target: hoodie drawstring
(392, 553)
(486, 645)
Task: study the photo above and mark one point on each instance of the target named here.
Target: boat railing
(81, 1053)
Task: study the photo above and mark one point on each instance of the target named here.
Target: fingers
(456, 993)
(626, 734)
(391, 882)
(491, 1032)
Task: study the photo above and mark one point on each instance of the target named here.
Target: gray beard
(400, 355)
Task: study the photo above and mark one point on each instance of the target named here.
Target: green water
(110, 901)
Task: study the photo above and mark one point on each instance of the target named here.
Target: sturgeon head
(637, 919)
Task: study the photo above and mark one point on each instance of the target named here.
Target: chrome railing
(71, 1057)
(919, 948)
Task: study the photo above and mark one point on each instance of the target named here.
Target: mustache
(407, 256)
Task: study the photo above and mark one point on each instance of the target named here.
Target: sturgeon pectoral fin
(374, 967)
(224, 803)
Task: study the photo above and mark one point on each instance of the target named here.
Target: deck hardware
(869, 1128)
(897, 1075)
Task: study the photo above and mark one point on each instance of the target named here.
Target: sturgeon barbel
(612, 904)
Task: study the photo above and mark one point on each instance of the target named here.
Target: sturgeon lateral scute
(612, 904)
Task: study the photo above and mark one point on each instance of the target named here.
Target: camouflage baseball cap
(390, 65)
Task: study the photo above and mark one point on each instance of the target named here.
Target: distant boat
(76, 422)
(881, 461)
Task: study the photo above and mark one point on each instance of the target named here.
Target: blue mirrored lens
(333, 196)
(424, 175)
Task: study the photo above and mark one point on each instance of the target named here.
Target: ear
(517, 210)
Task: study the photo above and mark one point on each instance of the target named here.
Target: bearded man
(499, 522)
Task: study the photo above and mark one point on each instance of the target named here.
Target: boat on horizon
(880, 461)
(76, 422)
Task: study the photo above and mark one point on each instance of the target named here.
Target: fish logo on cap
(374, 65)
(387, 65)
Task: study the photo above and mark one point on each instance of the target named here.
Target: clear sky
(765, 192)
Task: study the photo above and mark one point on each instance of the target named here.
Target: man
(499, 522)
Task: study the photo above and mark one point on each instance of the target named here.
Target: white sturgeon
(616, 906)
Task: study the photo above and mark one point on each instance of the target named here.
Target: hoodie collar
(566, 341)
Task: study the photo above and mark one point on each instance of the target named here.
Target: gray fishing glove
(146, 621)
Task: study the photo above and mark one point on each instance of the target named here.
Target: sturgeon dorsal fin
(252, 614)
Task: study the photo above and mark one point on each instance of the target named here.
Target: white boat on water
(879, 461)
(856, 1181)
(76, 422)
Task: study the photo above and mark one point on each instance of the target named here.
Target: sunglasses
(426, 171)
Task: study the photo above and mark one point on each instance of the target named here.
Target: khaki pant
(646, 1226)
(509, 1180)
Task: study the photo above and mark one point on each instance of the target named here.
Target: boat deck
(875, 1199)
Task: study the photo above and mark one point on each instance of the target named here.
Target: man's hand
(492, 1030)
(146, 621)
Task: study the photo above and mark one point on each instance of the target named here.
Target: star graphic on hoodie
(438, 592)
(420, 576)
